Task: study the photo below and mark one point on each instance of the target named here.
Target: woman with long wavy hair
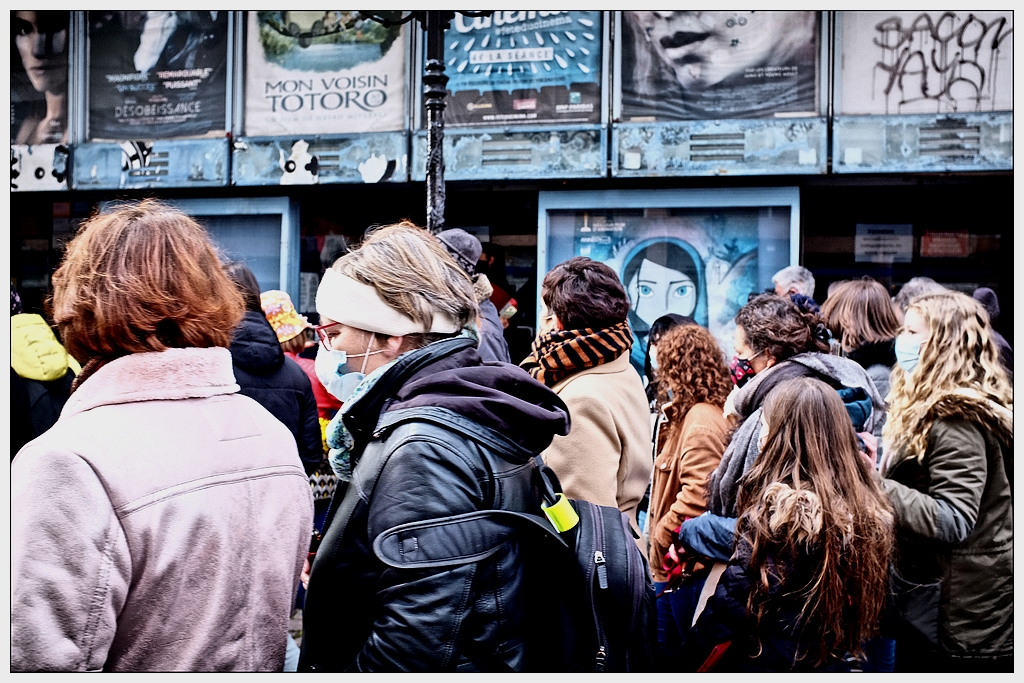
(948, 468)
(691, 437)
(808, 579)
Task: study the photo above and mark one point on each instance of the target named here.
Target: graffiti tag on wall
(926, 62)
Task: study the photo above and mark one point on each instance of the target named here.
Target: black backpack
(591, 598)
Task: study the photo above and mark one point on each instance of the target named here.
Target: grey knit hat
(464, 247)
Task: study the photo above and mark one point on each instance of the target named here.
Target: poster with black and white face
(157, 74)
(689, 65)
(322, 72)
(39, 77)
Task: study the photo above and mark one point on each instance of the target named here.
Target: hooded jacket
(278, 384)
(41, 376)
(440, 433)
(954, 511)
(161, 525)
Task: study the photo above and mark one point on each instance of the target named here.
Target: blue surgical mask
(654, 357)
(333, 371)
(908, 352)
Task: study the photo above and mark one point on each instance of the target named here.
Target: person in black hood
(428, 430)
(268, 377)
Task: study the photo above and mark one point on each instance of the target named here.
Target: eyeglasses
(323, 336)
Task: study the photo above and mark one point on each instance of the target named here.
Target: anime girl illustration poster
(701, 262)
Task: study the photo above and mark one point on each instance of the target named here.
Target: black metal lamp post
(434, 23)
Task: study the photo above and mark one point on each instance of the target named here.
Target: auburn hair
(692, 365)
(583, 293)
(143, 277)
(860, 312)
(777, 325)
(810, 498)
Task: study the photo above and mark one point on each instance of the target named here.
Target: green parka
(954, 511)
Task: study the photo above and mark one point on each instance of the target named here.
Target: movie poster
(696, 262)
(39, 77)
(323, 72)
(157, 74)
(926, 62)
(524, 67)
(688, 65)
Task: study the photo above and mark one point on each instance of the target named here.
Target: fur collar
(168, 375)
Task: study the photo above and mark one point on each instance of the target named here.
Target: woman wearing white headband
(428, 430)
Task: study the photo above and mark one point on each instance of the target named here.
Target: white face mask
(908, 351)
(654, 357)
(334, 373)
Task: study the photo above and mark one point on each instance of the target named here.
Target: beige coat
(606, 457)
(160, 525)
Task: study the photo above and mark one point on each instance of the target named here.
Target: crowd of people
(837, 497)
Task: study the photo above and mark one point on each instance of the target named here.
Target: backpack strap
(454, 540)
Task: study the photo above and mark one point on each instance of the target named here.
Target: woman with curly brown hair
(807, 583)
(162, 522)
(690, 439)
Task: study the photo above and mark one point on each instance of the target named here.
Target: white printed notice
(884, 243)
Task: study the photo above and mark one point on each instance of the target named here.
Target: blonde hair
(860, 312)
(413, 274)
(958, 355)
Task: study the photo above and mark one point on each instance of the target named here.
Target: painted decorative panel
(39, 167)
(150, 163)
(738, 147)
(515, 153)
(362, 158)
(914, 144)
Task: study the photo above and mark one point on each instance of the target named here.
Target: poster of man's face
(680, 65)
(39, 77)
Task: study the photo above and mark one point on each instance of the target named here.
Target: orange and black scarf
(557, 354)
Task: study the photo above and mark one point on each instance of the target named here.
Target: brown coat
(688, 456)
(606, 457)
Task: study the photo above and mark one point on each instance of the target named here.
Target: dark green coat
(954, 511)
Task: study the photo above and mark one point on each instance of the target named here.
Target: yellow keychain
(561, 515)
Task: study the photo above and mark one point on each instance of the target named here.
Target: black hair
(658, 329)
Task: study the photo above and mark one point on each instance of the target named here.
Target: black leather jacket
(441, 433)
